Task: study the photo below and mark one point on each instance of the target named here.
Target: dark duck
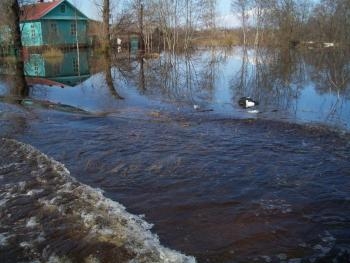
(247, 102)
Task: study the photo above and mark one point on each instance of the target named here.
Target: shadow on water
(226, 185)
(110, 79)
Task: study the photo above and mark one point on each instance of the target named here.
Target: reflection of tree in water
(273, 77)
(190, 78)
(277, 78)
(210, 70)
(109, 78)
(187, 78)
(12, 75)
(330, 70)
(13, 120)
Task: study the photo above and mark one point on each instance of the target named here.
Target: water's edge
(48, 216)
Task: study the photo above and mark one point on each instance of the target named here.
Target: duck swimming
(247, 102)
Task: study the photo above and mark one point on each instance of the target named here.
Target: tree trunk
(109, 78)
(142, 38)
(106, 27)
(21, 83)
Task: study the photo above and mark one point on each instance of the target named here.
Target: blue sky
(224, 7)
(88, 6)
(225, 16)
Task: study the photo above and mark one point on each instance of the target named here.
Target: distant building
(54, 23)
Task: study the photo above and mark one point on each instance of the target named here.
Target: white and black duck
(247, 102)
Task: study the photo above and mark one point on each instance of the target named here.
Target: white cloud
(228, 21)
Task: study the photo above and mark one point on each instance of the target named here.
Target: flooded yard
(166, 138)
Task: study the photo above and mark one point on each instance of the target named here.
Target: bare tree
(330, 21)
(241, 7)
(174, 21)
(106, 27)
(12, 10)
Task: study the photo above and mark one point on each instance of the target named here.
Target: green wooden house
(54, 23)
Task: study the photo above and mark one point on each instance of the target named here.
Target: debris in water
(247, 102)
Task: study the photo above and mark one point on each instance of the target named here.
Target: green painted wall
(69, 12)
(35, 66)
(32, 34)
(69, 65)
(134, 44)
(62, 32)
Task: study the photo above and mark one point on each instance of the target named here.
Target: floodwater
(85, 174)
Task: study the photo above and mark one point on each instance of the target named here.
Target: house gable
(51, 10)
(64, 11)
(36, 11)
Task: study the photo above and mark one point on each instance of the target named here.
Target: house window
(73, 29)
(63, 8)
(56, 69)
(36, 69)
(32, 31)
(75, 65)
(54, 28)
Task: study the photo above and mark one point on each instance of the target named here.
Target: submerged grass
(53, 55)
(219, 41)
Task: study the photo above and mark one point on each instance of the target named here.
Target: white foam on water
(22, 185)
(8, 166)
(282, 256)
(136, 231)
(294, 260)
(56, 259)
(105, 219)
(25, 244)
(3, 239)
(273, 206)
(92, 259)
(267, 259)
(3, 201)
(34, 191)
(327, 242)
(32, 222)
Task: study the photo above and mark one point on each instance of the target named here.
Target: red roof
(43, 81)
(38, 10)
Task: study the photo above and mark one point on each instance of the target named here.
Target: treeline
(175, 25)
(291, 22)
(163, 24)
(181, 24)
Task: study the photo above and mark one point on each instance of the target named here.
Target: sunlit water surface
(220, 183)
